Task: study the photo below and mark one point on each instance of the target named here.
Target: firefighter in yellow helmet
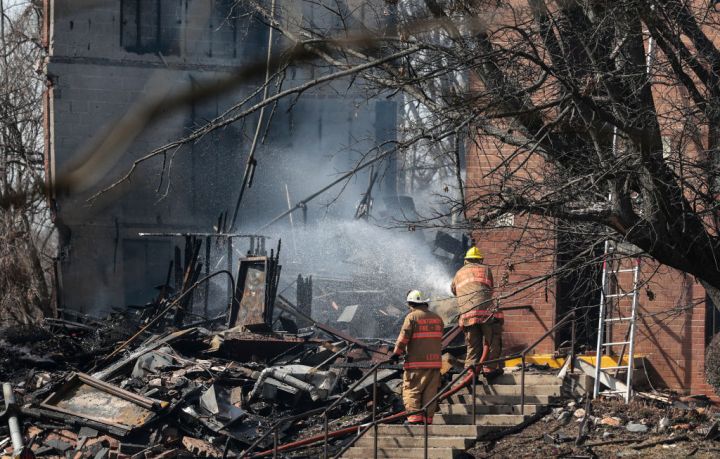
(483, 327)
(420, 340)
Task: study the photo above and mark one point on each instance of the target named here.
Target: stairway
(497, 408)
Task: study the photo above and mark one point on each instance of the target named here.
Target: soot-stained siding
(160, 26)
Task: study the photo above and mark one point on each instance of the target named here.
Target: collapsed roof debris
(173, 391)
(147, 383)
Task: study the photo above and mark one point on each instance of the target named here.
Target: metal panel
(89, 398)
(250, 293)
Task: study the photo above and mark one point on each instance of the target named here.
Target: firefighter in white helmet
(420, 340)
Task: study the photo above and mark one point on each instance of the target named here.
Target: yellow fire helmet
(474, 254)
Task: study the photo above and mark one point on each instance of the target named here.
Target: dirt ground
(553, 437)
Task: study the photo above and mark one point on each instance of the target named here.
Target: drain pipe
(13, 423)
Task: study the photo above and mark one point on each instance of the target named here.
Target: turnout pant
(477, 335)
(419, 387)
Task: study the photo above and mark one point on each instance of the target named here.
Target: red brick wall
(671, 327)
(517, 255)
(513, 269)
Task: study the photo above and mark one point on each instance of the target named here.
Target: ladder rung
(619, 295)
(618, 319)
(616, 343)
(619, 367)
(613, 392)
(631, 270)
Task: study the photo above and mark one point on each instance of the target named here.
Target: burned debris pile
(178, 392)
(152, 382)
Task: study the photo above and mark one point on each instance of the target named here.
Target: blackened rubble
(177, 393)
(147, 382)
(158, 381)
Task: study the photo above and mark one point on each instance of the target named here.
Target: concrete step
(503, 399)
(402, 453)
(401, 430)
(515, 389)
(530, 379)
(416, 442)
(501, 420)
(458, 408)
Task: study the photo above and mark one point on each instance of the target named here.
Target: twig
(612, 442)
(581, 437)
(663, 441)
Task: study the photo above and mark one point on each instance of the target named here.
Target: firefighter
(421, 341)
(482, 326)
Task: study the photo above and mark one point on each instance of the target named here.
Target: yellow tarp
(548, 359)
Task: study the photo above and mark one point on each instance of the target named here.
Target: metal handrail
(323, 410)
(447, 392)
(372, 371)
(363, 428)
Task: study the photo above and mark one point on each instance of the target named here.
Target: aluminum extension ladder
(612, 267)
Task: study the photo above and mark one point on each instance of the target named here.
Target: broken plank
(144, 349)
(605, 379)
(44, 414)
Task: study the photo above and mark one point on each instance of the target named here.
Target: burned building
(109, 57)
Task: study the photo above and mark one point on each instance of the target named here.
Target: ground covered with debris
(642, 428)
(135, 386)
(118, 388)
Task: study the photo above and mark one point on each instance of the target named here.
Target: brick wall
(518, 253)
(671, 329)
(671, 326)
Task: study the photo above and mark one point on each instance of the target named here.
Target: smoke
(357, 262)
(394, 260)
(353, 262)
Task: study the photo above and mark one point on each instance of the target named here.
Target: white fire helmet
(416, 297)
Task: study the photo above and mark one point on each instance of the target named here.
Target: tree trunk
(713, 292)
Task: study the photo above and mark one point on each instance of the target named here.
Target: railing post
(473, 373)
(424, 412)
(325, 442)
(522, 384)
(374, 412)
(275, 442)
(572, 346)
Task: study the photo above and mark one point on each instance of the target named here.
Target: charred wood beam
(286, 305)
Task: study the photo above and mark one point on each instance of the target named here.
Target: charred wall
(109, 56)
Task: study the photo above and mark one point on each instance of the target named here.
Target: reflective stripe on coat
(421, 339)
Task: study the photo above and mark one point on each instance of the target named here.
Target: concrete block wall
(98, 77)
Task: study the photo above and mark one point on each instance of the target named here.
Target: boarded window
(151, 26)
(168, 26)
